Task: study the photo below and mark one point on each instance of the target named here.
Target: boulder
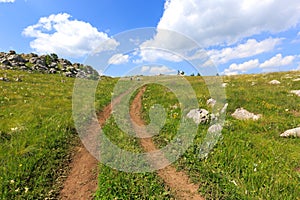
(69, 74)
(243, 114)
(40, 67)
(274, 82)
(40, 61)
(53, 65)
(296, 92)
(4, 79)
(4, 61)
(33, 60)
(11, 52)
(16, 58)
(198, 115)
(52, 71)
(211, 102)
(297, 79)
(295, 132)
(224, 85)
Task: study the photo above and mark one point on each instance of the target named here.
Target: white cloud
(7, 1)
(298, 34)
(153, 54)
(161, 70)
(228, 72)
(59, 34)
(156, 70)
(272, 63)
(145, 68)
(227, 22)
(118, 59)
(251, 64)
(278, 61)
(251, 48)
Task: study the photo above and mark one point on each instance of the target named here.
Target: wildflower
(175, 115)
(255, 165)
(233, 181)
(26, 189)
(14, 129)
(17, 190)
(12, 181)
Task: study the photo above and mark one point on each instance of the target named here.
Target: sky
(123, 37)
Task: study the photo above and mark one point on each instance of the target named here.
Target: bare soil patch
(82, 182)
(177, 181)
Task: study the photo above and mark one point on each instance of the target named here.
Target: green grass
(115, 184)
(37, 132)
(251, 161)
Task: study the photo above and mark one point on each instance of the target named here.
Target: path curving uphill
(82, 182)
(177, 181)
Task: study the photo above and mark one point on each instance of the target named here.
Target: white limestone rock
(295, 132)
(243, 114)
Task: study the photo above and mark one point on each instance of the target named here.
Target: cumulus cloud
(251, 64)
(278, 61)
(152, 55)
(227, 22)
(66, 37)
(118, 59)
(156, 70)
(7, 1)
(145, 68)
(251, 48)
(229, 72)
(162, 46)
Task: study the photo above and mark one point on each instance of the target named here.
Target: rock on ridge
(49, 64)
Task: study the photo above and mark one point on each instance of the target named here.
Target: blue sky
(237, 36)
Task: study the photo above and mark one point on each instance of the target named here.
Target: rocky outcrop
(49, 64)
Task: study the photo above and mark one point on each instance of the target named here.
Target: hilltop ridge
(50, 64)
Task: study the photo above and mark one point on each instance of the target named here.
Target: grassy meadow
(37, 132)
(250, 161)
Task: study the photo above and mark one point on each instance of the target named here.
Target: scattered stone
(199, 115)
(274, 82)
(215, 128)
(295, 132)
(296, 92)
(243, 114)
(53, 65)
(4, 61)
(224, 85)
(52, 71)
(211, 102)
(287, 76)
(11, 52)
(4, 79)
(297, 79)
(223, 110)
(33, 60)
(68, 74)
